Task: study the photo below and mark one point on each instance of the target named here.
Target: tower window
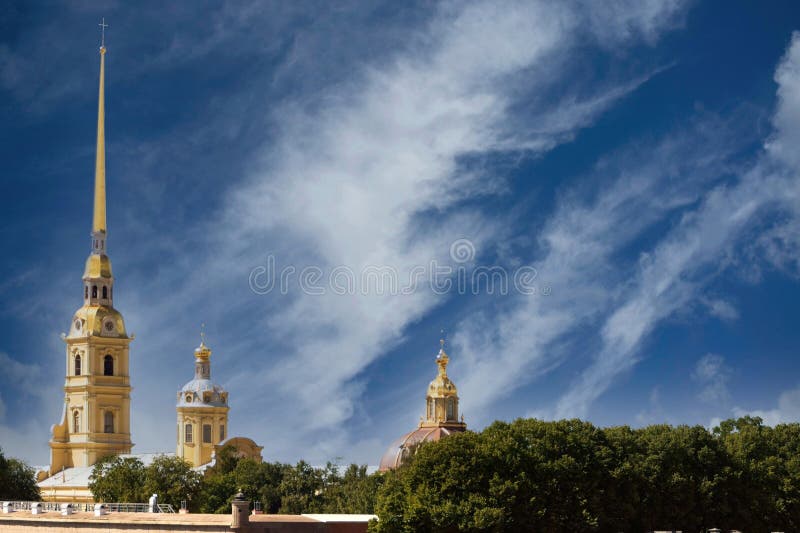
(94, 291)
(77, 365)
(105, 292)
(450, 409)
(431, 410)
(86, 292)
(76, 422)
(207, 433)
(222, 432)
(108, 366)
(187, 433)
(108, 422)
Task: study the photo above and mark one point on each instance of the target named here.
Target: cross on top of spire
(103, 27)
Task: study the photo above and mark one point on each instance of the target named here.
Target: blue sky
(637, 156)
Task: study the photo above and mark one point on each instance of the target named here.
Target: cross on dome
(103, 27)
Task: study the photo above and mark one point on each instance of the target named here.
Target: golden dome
(97, 266)
(440, 420)
(202, 351)
(97, 320)
(442, 386)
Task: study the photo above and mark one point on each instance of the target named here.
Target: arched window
(187, 433)
(108, 422)
(450, 409)
(108, 366)
(105, 292)
(86, 292)
(431, 410)
(94, 291)
(76, 422)
(207, 433)
(222, 432)
(77, 365)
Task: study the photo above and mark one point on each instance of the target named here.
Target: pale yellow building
(202, 412)
(95, 420)
(440, 420)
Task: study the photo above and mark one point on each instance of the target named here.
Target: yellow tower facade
(95, 420)
(202, 409)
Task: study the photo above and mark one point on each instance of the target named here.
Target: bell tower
(202, 409)
(95, 420)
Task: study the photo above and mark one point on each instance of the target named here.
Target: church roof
(196, 388)
(401, 448)
(91, 320)
(97, 266)
(201, 391)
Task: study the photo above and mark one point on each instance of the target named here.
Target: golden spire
(99, 219)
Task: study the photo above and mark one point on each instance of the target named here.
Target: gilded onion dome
(201, 391)
(440, 420)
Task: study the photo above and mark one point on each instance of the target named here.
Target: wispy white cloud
(654, 412)
(712, 374)
(787, 410)
(347, 178)
(722, 309)
(669, 276)
(346, 184)
(691, 253)
(627, 195)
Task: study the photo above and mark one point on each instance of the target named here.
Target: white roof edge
(341, 517)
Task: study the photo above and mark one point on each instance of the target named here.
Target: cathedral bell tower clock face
(109, 326)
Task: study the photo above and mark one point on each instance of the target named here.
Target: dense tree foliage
(290, 489)
(280, 488)
(174, 480)
(527, 475)
(118, 479)
(568, 475)
(17, 480)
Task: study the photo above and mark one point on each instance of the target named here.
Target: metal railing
(89, 507)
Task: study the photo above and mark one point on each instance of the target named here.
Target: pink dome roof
(401, 448)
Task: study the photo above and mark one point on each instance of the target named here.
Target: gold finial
(99, 218)
(441, 358)
(202, 351)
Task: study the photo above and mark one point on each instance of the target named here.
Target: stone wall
(54, 522)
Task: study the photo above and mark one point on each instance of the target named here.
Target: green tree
(216, 492)
(354, 492)
(568, 475)
(17, 480)
(301, 489)
(174, 480)
(118, 479)
(225, 461)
